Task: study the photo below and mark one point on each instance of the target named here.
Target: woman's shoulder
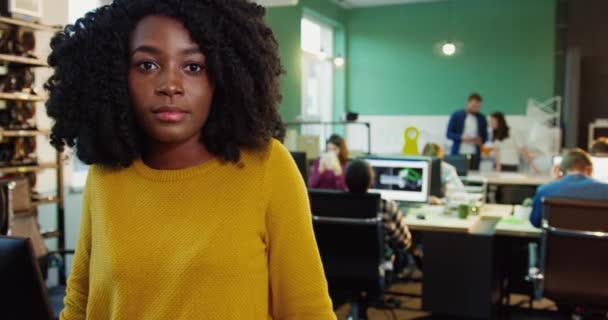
(271, 151)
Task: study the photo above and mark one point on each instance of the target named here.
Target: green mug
(463, 211)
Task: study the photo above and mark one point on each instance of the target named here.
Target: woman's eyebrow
(146, 49)
(154, 50)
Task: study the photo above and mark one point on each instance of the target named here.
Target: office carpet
(411, 308)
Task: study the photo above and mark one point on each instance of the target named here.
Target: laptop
(23, 294)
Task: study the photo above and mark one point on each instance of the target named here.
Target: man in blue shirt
(573, 181)
(468, 129)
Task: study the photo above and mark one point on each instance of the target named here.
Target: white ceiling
(372, 3)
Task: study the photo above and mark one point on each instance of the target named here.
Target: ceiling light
(448, 48)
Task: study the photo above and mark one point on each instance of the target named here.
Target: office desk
(463, 270)
(524, 229)
(511, 178)
(511, 187)
(438, 221)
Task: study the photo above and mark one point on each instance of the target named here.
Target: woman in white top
(506, 150)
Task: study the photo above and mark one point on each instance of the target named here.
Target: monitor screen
(405, 180)
(600, 167)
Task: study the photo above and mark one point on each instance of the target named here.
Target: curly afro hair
(88, 92)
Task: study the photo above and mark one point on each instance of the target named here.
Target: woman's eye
(147, 66)
(194, 67)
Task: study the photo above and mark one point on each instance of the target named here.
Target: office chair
(6, 188)
(573, 254)
(349, 234)
(461, 162)
(302, 163)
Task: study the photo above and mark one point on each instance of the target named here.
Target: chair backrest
(575, 251)
(349, 234)
(22, 289)
(461, 162)
(302, 163)
(340, 204)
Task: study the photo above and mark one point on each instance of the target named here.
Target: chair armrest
(334, 220)
(569, 233)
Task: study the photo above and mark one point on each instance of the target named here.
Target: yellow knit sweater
(214, 241)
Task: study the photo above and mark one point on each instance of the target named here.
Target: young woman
(328, 171)
(506, 150)
(192, 208)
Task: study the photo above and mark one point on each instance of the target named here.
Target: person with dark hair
(468, 130)
(599, 147)
(192, 206)
(573, 181)
(506, 150)
(359, 178)
(328, 171)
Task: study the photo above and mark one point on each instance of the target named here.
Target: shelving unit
(20, 96)
(9, 60)
(32, 26)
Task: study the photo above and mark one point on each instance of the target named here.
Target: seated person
(328, 171)
(599, 148)
(449, 174)
(573, 181)
(359, 178)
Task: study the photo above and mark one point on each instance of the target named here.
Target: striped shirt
(396, 234)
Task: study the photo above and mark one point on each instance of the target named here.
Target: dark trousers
(475, 161)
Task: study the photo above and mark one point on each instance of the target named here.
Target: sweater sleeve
(298, 289)
(77, 291)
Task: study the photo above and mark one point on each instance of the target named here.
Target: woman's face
(493, 123)
(332, 148)
(170, 89)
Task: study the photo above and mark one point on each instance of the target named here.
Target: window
(317, 76)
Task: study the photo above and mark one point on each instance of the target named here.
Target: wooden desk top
(525, 229)
(512, 178)
(437, 220)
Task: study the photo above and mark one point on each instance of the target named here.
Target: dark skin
(171, 93)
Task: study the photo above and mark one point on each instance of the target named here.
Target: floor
(411, 307)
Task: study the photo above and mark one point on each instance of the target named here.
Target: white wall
(387, 131)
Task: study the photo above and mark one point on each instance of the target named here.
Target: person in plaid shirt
(359, 178)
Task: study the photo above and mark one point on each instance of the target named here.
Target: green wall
(395, 66)
(285, 23)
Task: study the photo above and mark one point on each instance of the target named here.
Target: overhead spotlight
(339, 61)
(448, 49)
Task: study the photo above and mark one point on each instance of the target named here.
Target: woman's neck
(173, 156)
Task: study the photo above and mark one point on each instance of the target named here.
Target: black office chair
(461, 162)
(302, 163)
(349, 234)
(573, 254)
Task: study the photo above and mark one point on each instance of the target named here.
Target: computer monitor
(402, 179)
(437, 189)
(302, 163)
(461, 162)
(23, 295)
(600, 167)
